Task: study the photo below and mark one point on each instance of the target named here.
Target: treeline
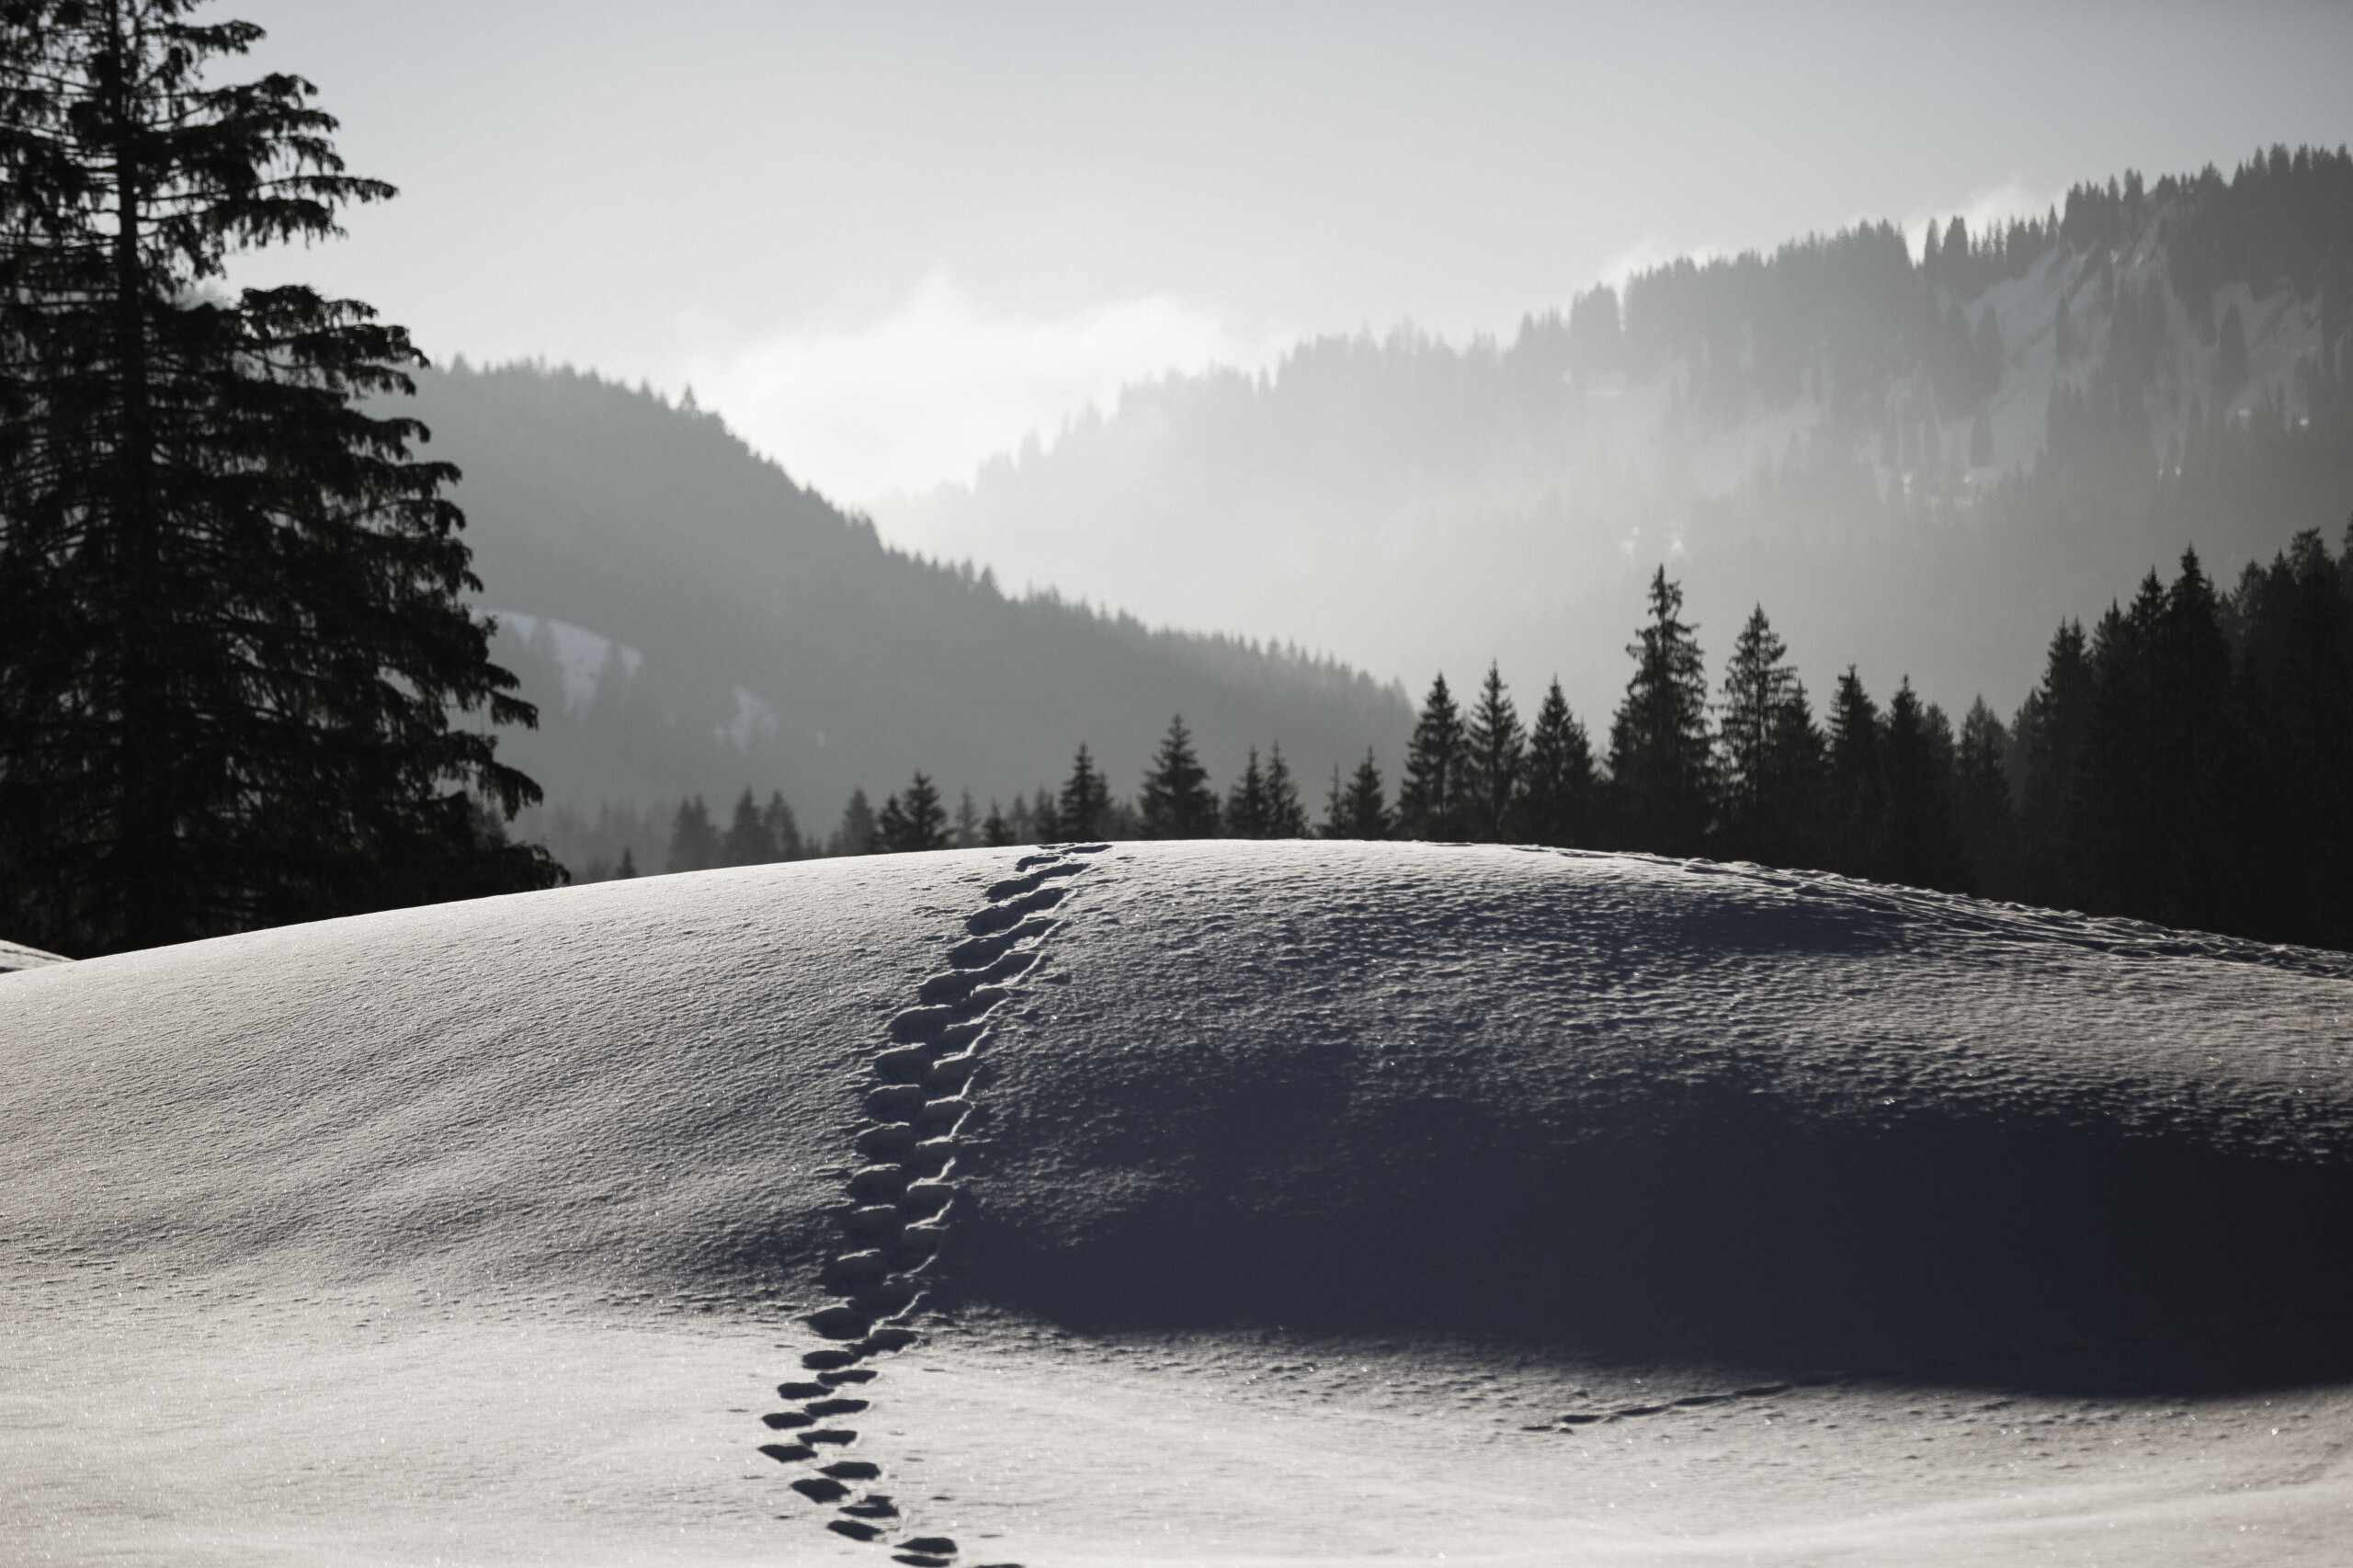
(2184, 761)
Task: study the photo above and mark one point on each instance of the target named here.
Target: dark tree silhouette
(1177, 801)
(231, 621)
(911, 821)
(854, 834)
(750, 841)
(2048, 745)
(1557, 802)
(1982, 796)
(1433, 800)
(1084, 799)
(1246, 809)
(694, 841)
(1286, 817)
(1920, 838)
(1356, 810)
(1768, 752)
(1662, 773)
(1496, 750)
(996, 833)
(1856, 794)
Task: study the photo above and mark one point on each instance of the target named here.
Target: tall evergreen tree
(1557, 806)
(1920, 836)
(1982, 796)
(233, 628)
(1495, 752)
(2295, 679)
(694, 841)
(2046, 746)
(854, 834)
(1662, 773)
(967, 832)
(1085, 798)
(996, 833)
(1857, 795)
(1767, 750)
(1177, 801)
(1433, 802)
(1357, 809)
(1286, 817)
(782, 829)
(749, 841)
(1246, 810)
(911, 821)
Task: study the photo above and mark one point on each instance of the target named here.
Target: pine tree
(1495, 752)
(1177, 801)
(911, 822)
(1759, 687)
(1982, 789)
(1246, 811)
(968, 823)
(1433, 801)
(694, 842)
(1856, 796)
(1085, 798)
(1661, 771)
(749, 842)
(996, 833)
(1357, 809)
(1286, 817)
(233, 627)
(1920, 836)
(2047, 751)
(854, 834)
(1557, 806)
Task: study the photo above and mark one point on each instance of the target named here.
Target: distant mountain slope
(690, 619)
(1917, 463)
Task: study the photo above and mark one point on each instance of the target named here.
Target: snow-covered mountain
(1918, 462)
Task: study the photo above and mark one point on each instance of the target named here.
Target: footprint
(873, 1506)
(852, 1470)
(853, 1529)
(789, 1453)
(850, 1375)
(836, 1437)
(804, 1391)
(817, 1489)
(833, 1407)
(787, 1420)
(937, 1545)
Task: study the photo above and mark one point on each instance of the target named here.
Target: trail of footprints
(902, 1198)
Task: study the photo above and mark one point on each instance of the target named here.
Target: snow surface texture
(15, 956)
(1215, 1202)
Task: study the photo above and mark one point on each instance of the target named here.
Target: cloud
(922, 396)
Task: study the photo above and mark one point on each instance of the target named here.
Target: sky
(887, 241)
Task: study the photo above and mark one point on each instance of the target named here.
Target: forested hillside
(690, 620)
(1922, 457)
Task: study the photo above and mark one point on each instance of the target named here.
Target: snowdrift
(1613, 1104)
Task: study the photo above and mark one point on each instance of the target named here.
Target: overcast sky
(886, 240)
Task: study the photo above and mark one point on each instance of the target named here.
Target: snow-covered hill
(1210, 1202)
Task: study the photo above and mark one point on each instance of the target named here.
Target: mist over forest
(1918, 458)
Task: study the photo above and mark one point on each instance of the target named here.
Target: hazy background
(886, 241)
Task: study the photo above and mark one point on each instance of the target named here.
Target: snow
(15, 956)
(1309, 1200)
(579, 653)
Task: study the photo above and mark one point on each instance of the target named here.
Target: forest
(2182, 762)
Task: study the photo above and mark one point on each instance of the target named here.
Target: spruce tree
(233, 628)
(911, 821)
(694, 842)
(1920, 836)
(854, 834)
(1286, 817)
(967, 833)
(1247, 813)
(783, 830)
(996, 833)
(1662, 774)
(2047, 751)
(1982, 786)
(1079, 813)
(1496, 751)
(1357, 809)
(748, 842)
(1752, 730)
(1433, 801)
(1856, 796)
(1557, 805)
(1177, 801)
